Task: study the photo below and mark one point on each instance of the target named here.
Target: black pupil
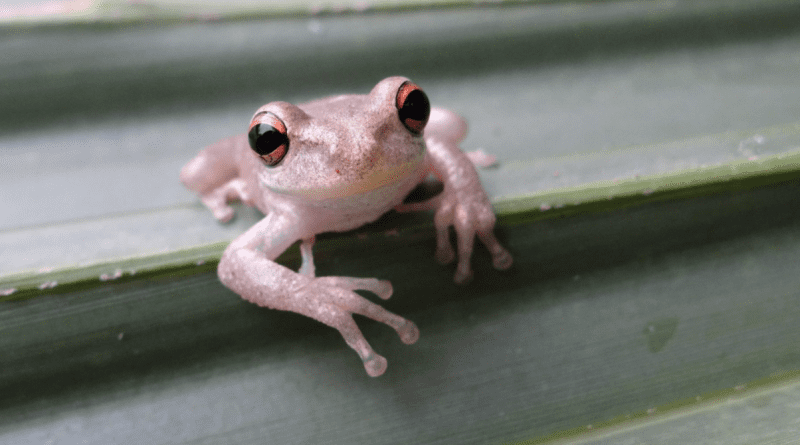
(264, 139)
(416, 106)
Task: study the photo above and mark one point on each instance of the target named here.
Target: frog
(334, 165)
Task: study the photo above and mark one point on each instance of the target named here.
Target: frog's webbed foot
(217, 200)
(332, 300)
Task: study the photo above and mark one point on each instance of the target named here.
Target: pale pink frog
(333, 165)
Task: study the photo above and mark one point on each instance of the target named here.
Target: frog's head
(342, 145)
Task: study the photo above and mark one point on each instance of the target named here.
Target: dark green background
(614, 306)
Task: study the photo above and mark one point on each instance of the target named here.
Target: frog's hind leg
(446, 125)
(214, 175)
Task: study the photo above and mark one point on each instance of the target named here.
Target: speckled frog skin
(332, 165)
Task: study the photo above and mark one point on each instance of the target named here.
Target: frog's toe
(463, 273)
(375, 365)
(442, 221)
(216, 203)
(502, 260)
(382, 288)
(408, 332)
(224, 214)
(480, 158)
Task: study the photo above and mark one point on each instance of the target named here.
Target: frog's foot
(469, 217)
(480, 158)
(336, 303)
(217, 200)
(221, 210)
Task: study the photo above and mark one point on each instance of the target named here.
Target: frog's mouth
(394, 179)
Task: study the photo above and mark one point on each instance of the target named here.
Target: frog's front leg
(247, 268)
(463, 203)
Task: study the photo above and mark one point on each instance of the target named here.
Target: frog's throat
(383, 178)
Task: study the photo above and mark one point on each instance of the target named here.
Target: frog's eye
(413, 107)
(267, 136)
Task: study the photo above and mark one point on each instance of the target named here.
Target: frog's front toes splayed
(470, 219)
(348, 303)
